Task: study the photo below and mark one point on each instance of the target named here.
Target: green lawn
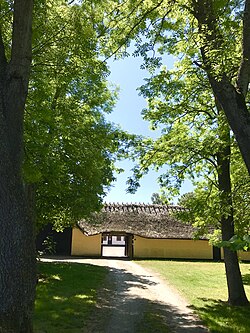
(204, 285)
(66, 296)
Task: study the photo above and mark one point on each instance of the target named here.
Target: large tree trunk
(236, 292)
(231, 99)
(17, 260)
(17, 251)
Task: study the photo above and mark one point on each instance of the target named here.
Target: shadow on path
(134, 300)
(135, 303)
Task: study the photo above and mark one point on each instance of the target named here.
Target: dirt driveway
(133, 292)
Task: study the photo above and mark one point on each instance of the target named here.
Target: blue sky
(126, 73)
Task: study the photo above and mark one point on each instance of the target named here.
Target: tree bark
(17, 259)
(238, 116)
(236, 292)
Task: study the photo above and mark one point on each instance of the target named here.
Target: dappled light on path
(138, 301)
(138, 292)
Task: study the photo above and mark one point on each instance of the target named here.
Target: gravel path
(134, 291)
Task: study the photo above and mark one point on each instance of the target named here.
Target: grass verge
(66, 296)
(203, 284)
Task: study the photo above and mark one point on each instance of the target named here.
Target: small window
(118, 238)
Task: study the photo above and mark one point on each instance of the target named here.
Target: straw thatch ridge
(141, 208)
(146, 220)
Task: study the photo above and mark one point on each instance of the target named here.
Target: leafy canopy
(69, 146)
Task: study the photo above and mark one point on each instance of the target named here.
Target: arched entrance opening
(115, 244)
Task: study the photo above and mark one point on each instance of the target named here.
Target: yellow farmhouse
(140, 231)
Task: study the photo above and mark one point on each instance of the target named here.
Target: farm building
(138, 231)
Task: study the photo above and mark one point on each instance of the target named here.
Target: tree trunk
(232, 101)
(236, 292)
(17, 259)
(238, 116)
(231, 97)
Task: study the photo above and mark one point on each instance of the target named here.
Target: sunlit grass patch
(204, 286)
(66, 296)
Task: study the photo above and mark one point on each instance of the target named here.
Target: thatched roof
(152, 221)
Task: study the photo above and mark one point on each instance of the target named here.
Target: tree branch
(21, 40)
(129, 34)
(244, 70)
(17, 78)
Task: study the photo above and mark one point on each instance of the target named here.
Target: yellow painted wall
(244, 255)
(85, 245)
(172, 248)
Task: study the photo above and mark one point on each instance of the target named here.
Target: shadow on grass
(222, 318)
(66, 295)
(246, 279)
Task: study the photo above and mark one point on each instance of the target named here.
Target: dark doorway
(216, 253)
(49, 241)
